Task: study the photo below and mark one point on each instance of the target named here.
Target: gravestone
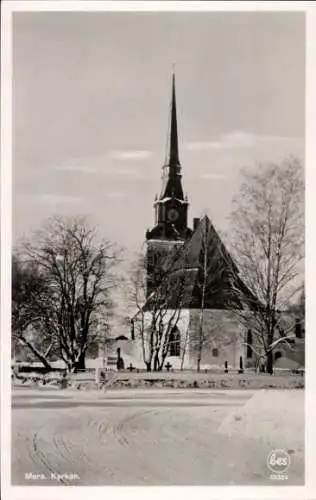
(120, 361)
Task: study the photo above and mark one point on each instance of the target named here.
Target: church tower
(171, 207)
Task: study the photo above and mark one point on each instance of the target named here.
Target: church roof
(205, 261)
(204, 237)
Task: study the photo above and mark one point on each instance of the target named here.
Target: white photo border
(138, 493)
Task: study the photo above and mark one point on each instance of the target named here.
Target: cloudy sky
(91, 104)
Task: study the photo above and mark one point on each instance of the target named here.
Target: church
(174, 255)
(193, 288)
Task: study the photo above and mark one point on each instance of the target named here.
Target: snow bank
(275, 417)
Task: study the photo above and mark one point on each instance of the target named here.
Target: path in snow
(136, 438)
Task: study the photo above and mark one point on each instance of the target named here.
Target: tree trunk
(198, 365)
(81, 363)
(270, 362)
(184, 348)
(270, 353)
(148, 366)
(201, 322)
(33, 349)
(200, 345)
(156, 363)
(161, 365)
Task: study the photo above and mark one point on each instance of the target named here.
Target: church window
(174, 342)
(215, 352)
(249, 344)
(277, 355)
(121, 337)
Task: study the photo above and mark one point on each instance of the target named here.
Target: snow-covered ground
(152, 437)
(274, 417)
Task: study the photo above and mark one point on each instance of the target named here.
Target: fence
(108, 375)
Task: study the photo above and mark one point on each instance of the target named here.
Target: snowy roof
(224, 287)
(168, 198)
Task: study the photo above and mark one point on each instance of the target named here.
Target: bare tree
(78, 277)
(203, 276)
(214, 290)
(136, 291)
(158, 315)
(185, 346)
(28, 288)
(268, 235)
(166, 304)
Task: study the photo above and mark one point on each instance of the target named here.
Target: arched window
(174, 342)
(249, 344)
(121, 337)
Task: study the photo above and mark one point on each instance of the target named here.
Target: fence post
(241, 367)
(98, 371)
(64, 381)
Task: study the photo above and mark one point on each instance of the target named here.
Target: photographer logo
(278, 463)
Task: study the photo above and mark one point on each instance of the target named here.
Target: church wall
(223, 335)
(223, 332)
(182, 324)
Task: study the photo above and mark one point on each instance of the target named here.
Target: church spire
(172, 170)
(174, 149)
(171, 207)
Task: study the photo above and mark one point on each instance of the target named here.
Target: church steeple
(173, 143)
(171, 206)
(172, 186)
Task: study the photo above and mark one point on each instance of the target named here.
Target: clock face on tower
(172, 214)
